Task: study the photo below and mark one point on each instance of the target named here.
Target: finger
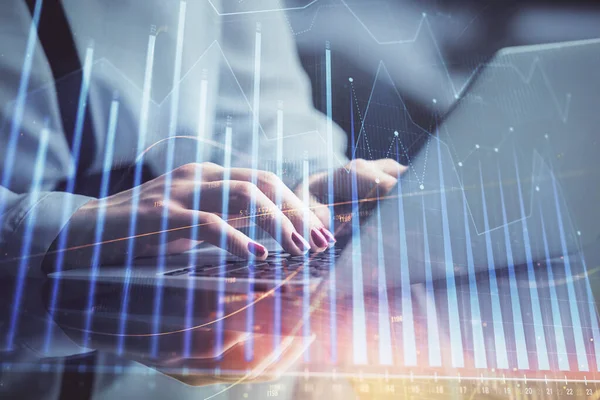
(300, 214)
(213, 229)
(267, 215)
(390, 167)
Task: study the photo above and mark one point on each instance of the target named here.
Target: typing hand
(373, 178)
(199, 194)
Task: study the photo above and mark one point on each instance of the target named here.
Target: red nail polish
(300, 242)
(328, 235)
(318, 238)
(257, 249)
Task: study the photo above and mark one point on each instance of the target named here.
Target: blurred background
(417, 54)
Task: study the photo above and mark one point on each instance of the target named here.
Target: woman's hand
(206, 185)
(373, 179)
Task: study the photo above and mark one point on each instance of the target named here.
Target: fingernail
(300, 242)
(328, 235)
(257, 249)
(318, 238)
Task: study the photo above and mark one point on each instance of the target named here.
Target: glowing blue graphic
(68, 204)
(538, 324)
(456, 346)
(359, 323)
(158, 293)
(499, 339)
(107, 166)
(34, 196)
(142, 132)
(593, 314)
(189, 315)
(278, 234)
(408, 325)
(330, 199)
(306, 268)
(433, 336)
(17, 118)
(521, 345)
(223, 241)
(249, 349)
(385, 339)
(478, 342)
(577, 332)
(559, 336)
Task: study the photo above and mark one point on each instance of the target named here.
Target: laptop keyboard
(278, 265)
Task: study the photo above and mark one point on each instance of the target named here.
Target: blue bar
(77, 138)
(538, 324)
(433, 335)
(142, 132)
(164, 226)
(499, 339)
(593, 313)
(223, 239)
(408, 326)
(561, 348)
(359, 333)
(577, 332)
(107, 167)
(278, 236)
(385, 339)
(40, 165)
(189, 315)
(306, 269)
(20, 102)
(521, 345)
(249, 348)
(478, 341)
(456, 346)
(330, 189)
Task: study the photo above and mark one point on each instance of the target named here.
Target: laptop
(514, 159)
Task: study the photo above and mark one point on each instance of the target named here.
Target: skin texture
(373, 177)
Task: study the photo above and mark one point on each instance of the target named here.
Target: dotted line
(361, 122)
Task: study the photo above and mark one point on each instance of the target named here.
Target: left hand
(374, 178)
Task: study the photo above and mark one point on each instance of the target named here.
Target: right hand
(185, 180)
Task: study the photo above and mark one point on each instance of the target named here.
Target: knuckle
(213, 221)
(268, 177)
(246, 189)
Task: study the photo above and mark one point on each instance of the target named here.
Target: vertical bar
(167, 190)
(142, 132)
(223, 243)
(306, 269)
(77, 138)
(520, 344)
(201, 133)
(577, 331)
(359, 333)
(561, 348)
(278, 234)
(499, 339)
(478, 341)
(249, 348)
(433, 336)
(538, 324)
(408, 325)
(17, 119)
(593, 314)
(330, 198)
(99, 229)
(385, 338)
(456, 346)
(34, 196)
